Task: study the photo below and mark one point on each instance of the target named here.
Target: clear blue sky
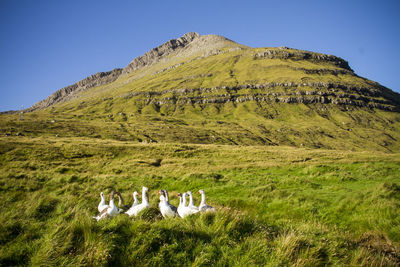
(47, 45)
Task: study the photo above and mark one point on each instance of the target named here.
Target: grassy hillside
(229, 94)
(247, 123)
(275, 205)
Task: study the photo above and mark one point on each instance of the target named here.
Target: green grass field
(276, 206)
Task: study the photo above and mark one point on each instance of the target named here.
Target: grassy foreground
(276, 205)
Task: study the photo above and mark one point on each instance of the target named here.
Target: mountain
(299, 156)
(209, 89)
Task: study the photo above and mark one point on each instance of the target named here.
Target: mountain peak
(190, 36)
(186, 45)
(161, 51)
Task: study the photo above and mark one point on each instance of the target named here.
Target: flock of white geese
(166, 208)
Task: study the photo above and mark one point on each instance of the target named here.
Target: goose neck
(144, 197)
(112, 203)
(184, 199)
(180, 200)
(120, 201)
(203, 199)
(191, 200)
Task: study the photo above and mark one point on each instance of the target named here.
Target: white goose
(203, 206)
(135, 202)
(184, 210)
(109, 211)
(182, 204)
(191, 205)
(134, 210)
(102, 205)
(166, 209)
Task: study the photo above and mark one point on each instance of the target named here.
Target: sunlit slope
(217, 91)
(245, 68)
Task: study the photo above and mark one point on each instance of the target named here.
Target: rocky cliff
(306, 93)
(281, 53)
(68, 92)
(161, 51)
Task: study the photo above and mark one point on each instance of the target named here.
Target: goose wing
(207, 208)
(102, 214)
(173, 208)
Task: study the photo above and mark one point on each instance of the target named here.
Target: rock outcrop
(155, 54)
(306, 93)
(66, 93)
(285, 53)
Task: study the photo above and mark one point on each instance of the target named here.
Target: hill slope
(208, 89)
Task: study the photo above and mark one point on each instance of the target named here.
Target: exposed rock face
(161, 51)
(303, 55)
(324, 93)
(65, 93)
